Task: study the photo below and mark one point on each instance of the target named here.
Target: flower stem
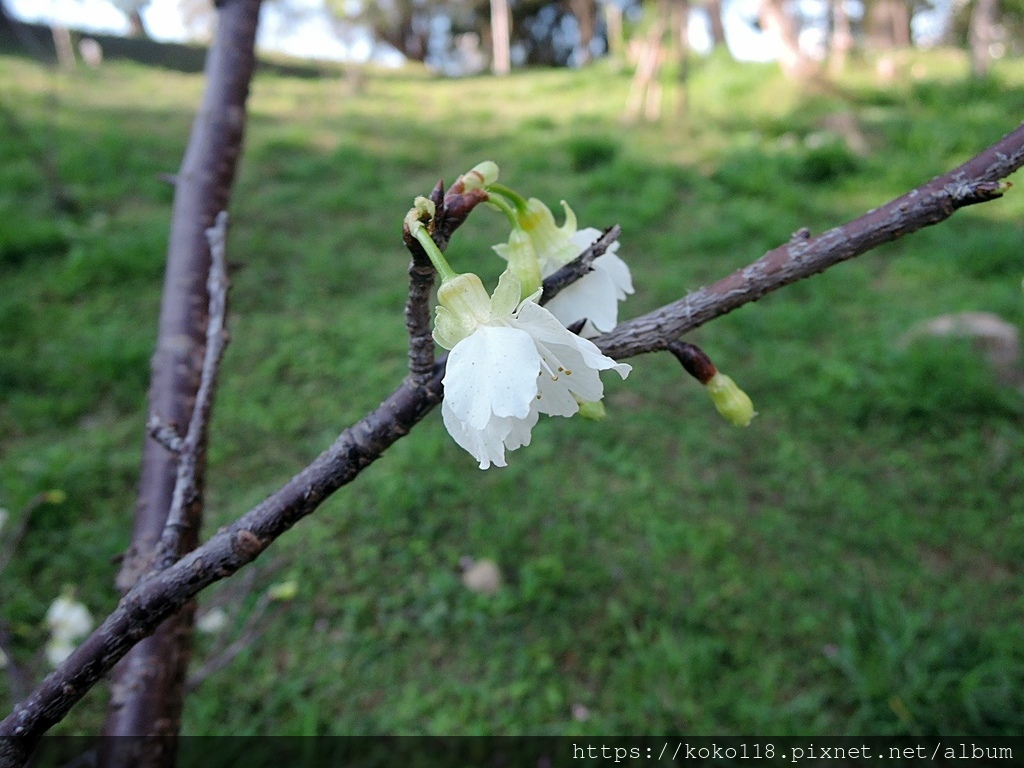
(434, 254)
(502, 204)
(518, 200)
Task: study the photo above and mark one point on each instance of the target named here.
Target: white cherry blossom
(68, 621)
(510, 361)
(597, 294)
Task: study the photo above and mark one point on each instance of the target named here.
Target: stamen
(545, 355)
(546, 367)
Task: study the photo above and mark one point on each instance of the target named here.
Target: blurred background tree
(462, 37)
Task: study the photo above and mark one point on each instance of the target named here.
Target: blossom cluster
(512, 359)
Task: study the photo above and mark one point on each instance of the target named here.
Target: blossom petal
(593, 297)
(545, 328)
(519, 434)
(492, 372)
(507, 295)
(572, 363)
(610, 263)
(555, 395)
(485, 445)
(488, 445)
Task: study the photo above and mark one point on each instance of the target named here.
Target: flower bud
(730, 401)
(283, 591)
(592, 410)
(422, 208)
(481, 176)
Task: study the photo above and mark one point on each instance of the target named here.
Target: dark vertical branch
(149, 683)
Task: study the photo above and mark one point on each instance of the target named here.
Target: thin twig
(450, 210)
(186, 484)
(164, 433)
(156, 598)
(417, 306)
(581, 265)
(226, 654)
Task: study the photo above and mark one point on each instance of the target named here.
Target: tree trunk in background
(585, 12)
(842, 38)
(714, 8)
(613, 23)
(677, 17)
(679, 42)
(136, 28)
(501, 33)
(777, 22)
(888, 24)
(983, 22)
(62, 45)
(147, 692)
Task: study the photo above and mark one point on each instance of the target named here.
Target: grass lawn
(851, 563)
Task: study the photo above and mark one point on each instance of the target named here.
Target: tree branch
(976, 181)
(152, 601)
(164, 433)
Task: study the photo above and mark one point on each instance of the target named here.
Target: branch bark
(976, 181)
(160, 596)
(148, 687)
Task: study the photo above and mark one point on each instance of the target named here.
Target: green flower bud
(283, 591)
(730, 401)
(592, 410)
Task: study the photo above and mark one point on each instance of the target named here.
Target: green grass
(850, 563)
